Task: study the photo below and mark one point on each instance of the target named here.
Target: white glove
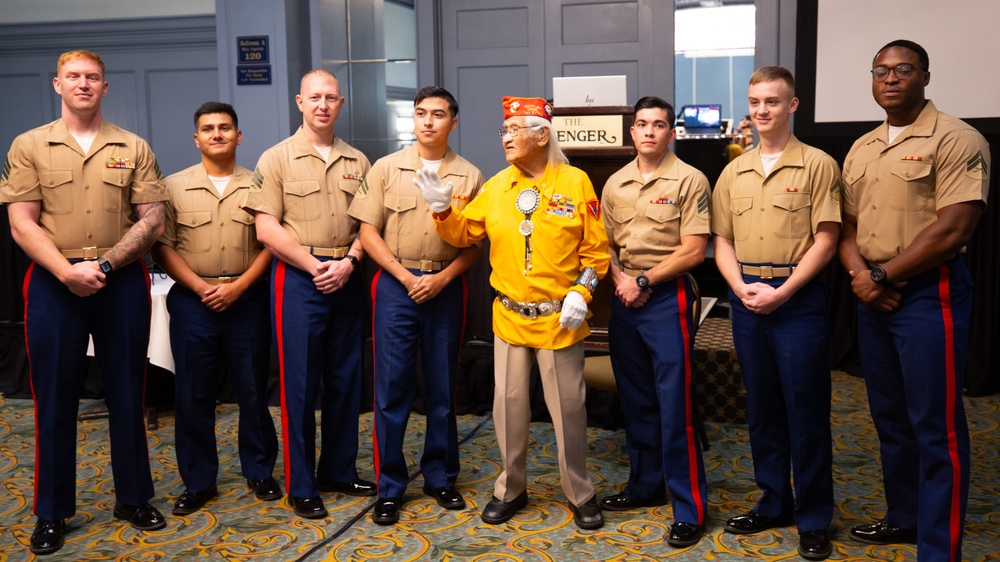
(436, 193)
(574, 310)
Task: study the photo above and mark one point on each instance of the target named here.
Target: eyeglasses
(902, 71)
(514, 130)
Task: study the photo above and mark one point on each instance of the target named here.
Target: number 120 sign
(253, 50)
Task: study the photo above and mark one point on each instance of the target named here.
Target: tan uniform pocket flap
(399, 202)
(54, 178)
(301, 188)
(792, 201)
(911, 170)
(740, 205)
(241, 216)
(663, 212)
(194, 219)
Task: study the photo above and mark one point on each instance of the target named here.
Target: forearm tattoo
(614, 260)
(140, 238)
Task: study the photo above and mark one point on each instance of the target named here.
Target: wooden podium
(596, 140)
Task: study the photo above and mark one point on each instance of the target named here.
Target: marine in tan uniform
(914, 190)
(219, 319)
(300, 194)
(420, 297)
(776, 218)
(656, 214)
(84, 199)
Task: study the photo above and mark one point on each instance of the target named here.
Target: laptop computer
(703, 119)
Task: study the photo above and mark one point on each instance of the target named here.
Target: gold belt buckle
(90, 253)
(426, 265)
(766, 272)
(340, 252)
(223, 280)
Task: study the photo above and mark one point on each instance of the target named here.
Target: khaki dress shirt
(645, 220)
(895, 190)
(213, 234)
(310, 197)
(772, 220)
(86, 198)
(389, 201)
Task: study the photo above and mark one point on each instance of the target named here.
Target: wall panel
(172, 99)
(134, 52)
(25, 103)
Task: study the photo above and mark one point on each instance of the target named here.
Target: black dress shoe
(357, 488)
(310, 508)
(190, 502)
(814, 545)
(447, 497)
(880, 533)
(267, 489)
(588, 515)
(386, 510)
(752, 522)
(47, 536)
(685, 534)
(625, 502)
(143, 517)
(497, 512)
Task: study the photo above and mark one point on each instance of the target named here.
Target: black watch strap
(354, 261)
(106, 266)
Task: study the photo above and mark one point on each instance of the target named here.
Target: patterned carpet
(236, 526)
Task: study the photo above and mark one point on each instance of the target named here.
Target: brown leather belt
(338, 252)
(530, 309)
(425, 265)
(767, 271)
(220, 280)
(89, 253)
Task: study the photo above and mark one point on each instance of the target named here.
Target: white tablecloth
(159, 326)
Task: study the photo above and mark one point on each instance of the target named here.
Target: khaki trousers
(565, 395)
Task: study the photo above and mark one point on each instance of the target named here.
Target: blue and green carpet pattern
(237, 526)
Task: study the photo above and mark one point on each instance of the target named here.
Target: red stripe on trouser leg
(378, 459)
(682, 306)
(955, 518)
(279, 297)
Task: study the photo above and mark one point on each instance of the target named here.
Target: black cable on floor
(343, 529)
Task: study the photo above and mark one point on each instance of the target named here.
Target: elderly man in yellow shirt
(548, 248)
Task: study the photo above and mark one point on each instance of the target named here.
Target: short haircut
(216, 107)
(318, 72)
(437, 92)
(907, 44)
(770, 73)
(79, 54)
(653, 102)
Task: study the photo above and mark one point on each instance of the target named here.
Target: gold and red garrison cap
(536, 107)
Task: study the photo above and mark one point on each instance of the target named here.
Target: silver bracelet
(587, 278)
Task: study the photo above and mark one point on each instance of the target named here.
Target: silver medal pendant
(526, 227)
(527, 200)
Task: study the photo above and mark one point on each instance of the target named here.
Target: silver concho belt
(530, 309)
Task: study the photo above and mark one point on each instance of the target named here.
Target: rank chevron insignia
(975, 167)
(703, 202)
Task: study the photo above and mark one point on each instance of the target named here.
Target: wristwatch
(106, 266)
(641, 280)
(878, 275)
(354, 261)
